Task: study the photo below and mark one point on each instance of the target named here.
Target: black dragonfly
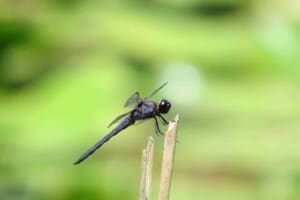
(142, 109)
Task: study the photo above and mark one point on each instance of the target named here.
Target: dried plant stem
(147, 163)
(167, 164)
(168, 158)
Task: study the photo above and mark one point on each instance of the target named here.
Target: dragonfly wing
(118, 118)
(155, 91)
(133, 100)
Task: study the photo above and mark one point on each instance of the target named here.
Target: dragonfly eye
(164, 106)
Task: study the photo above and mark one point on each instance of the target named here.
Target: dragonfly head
(164, 106)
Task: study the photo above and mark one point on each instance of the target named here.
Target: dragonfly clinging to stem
(142, 109)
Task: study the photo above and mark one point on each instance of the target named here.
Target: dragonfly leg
(157, 129)
(163, 120)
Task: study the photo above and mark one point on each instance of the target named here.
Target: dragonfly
(142, 108)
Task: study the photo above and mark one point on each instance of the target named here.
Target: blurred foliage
(66, 68)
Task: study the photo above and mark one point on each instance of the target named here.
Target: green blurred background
(66, 68)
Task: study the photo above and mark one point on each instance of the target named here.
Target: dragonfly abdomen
(129, 120)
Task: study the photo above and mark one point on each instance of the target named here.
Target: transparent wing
(133, 100)
(118, 118)
(155, 91)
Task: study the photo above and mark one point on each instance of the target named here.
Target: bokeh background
(232, 66)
